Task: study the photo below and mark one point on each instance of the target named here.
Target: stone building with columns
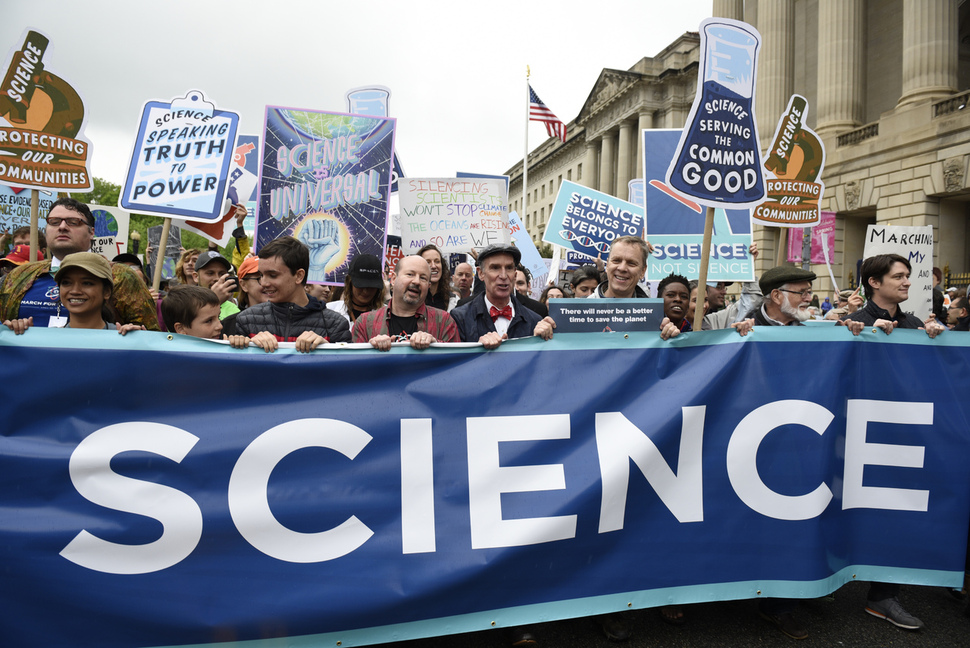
(887, 85)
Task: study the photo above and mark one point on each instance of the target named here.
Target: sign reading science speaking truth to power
(180, 160)
(41, 117)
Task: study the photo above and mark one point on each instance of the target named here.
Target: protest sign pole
(160, 254)
(525, 157)
(705, 262)
(34, 218)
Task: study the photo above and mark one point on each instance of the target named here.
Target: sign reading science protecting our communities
(41, 118)
(325, 180)
(180, 159)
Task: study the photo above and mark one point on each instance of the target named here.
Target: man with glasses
(787, 294)
(30, 290)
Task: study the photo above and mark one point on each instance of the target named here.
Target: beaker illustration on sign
(718, 161)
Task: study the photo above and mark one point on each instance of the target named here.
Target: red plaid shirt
(432, 320)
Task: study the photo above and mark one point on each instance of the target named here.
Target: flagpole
(525, 159)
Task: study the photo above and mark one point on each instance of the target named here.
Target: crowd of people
(265, 299)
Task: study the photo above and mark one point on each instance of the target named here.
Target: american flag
(539, 112)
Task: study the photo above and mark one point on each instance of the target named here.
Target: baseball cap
(21, 255)
(208, 257)
(93, 263)
(365, 271)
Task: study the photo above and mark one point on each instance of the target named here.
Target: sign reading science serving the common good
(718, 159)
(41, 117)
(180, 159)
(588, 221)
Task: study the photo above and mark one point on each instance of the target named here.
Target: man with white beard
(788, 294)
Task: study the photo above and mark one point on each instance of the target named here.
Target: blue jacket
(473, 320)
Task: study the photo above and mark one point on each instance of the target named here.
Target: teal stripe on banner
(578, 608)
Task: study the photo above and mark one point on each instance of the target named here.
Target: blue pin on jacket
(718, 160)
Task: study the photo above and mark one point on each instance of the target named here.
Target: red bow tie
(505, 312)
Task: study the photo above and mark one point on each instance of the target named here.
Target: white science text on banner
(455, 214)
(180, 159)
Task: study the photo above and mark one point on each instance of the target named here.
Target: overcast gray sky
(456, 69)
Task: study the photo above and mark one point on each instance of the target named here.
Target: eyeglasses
(801, 293)
(72, 222)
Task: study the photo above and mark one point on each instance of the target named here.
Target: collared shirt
(431, 320)
(501, 323)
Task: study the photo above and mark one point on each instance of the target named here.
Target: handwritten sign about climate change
(588, 221)
(180, 159)
(456, 214)
(41, 117)
(675, 225)
(794, 164)
(594, 315)
(324, 179)
(15, 207)
(916, 245)
(718, 159)
(110, 231)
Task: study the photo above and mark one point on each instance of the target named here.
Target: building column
(644, 122)
(625, 156)
(733, 9)
(606, 163)
(930, 49)
(841, 74)
(590, 164)
(776, 64)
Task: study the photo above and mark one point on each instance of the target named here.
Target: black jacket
(287, 321)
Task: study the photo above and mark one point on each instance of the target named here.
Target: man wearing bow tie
(495, 315)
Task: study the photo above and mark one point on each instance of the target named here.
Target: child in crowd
(192, 310)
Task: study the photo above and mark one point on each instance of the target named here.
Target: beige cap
(93, 263)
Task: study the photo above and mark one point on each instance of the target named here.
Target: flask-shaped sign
(718, 160)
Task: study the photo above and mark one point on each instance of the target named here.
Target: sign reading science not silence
(41, 118)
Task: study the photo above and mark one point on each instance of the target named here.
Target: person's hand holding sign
(322, 236)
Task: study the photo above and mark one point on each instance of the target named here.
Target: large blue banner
(161, 491)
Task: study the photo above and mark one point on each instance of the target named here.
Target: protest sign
(374, 101)
(675, 225)
(635, 192)
(454, 214)
(324, 179)
(41, 119)
(824, 230)
(349, 502)
(243, 180)
(595, 315)
(394, 252)
(718, 158)
(914, 244)
(794, 165)
(531, 258)
(588, 221)
(110, 231)
(173, 250)
(15, 207)
(179, 165)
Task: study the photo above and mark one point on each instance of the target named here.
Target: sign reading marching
(41, 118)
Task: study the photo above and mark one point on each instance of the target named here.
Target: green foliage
(545, 251)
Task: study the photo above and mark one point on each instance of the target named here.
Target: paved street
(841, 623)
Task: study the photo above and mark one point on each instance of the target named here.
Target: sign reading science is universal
(41, 117)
